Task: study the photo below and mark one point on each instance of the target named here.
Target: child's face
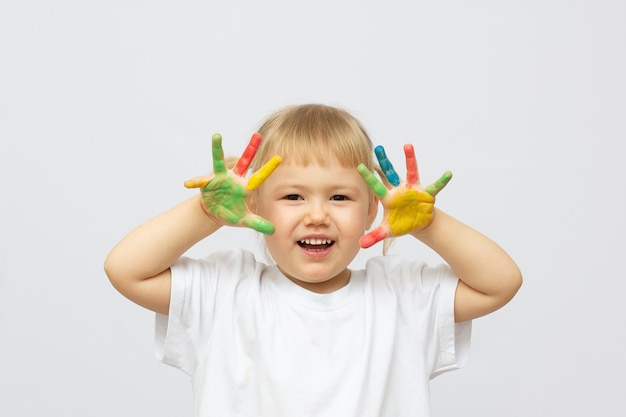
(319, 212)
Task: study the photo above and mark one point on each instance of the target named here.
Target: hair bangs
(314, 134)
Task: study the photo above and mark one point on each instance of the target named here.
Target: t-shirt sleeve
(426, 304)
(183, 334)
(453, 338)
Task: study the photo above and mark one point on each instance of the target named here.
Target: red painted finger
(373, 237)
(412, 175)
(248, 155)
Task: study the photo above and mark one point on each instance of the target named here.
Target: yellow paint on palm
(410, 210)
(261, 175)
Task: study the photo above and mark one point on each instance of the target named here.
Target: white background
(106, 107)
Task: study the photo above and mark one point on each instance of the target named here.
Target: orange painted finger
(373, 237)
(412, 174)
(248, 155)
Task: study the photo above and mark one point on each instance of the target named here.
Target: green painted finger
(259, 224)
(434, 188)
(219, 166)
(375, 185)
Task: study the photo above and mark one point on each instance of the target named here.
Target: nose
(317, 214)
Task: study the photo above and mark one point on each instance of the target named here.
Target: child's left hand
(407, 205)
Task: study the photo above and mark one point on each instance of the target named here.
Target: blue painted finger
(386, 166)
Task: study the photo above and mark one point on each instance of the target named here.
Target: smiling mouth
(316, 244)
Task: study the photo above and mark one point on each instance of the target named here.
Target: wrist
(212, 218)
(423, 232)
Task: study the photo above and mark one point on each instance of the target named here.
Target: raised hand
(225, 192)
(407, 206)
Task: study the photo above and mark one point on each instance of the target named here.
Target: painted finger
(266, 170)
(373, 237)
(248, 155)
(219, 166)
(386, 166)
(259, 224)
(412, 174)
(434, 188)
(375, 185)
(197, 182)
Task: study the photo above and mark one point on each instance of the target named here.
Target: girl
(305, 335)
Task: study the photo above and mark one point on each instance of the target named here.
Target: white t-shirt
(257, 344)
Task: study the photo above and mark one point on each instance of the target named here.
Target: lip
(317, 253)
(325, 246)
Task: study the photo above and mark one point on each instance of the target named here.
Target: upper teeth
(316, 241)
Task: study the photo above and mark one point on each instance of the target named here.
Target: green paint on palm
(226, 198)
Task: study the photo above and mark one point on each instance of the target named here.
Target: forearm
(155, 245)
(479, 263)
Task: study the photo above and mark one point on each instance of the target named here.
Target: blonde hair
(314, 132)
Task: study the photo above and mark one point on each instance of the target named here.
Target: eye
(292, 197)
(339, 197)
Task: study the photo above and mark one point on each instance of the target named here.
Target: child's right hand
(225, 193)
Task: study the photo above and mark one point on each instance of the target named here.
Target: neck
(324, 287)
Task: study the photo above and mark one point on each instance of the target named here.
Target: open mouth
(316, 244)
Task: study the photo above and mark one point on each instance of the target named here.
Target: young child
(308, 336)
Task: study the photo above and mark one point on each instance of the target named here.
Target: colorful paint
(265, 171)
(434, 188)
(248, 155)
(386, 166)
(370, 179)
(225, 196)
(412, 174)
(406, 208)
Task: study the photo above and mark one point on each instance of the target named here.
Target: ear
(372, 211)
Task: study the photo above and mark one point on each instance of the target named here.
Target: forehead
(313, 174)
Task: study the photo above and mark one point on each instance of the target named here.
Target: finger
(375, 185)
(248, 155)
(386, 166)
(434, 188)
(412, 174)
(259, 224)
(197, 182)
(261, 175)
(219, 166)
(373, 237)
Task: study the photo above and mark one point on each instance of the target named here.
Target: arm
(139, 265)
(488, 276)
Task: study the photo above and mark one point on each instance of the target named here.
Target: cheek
(354, 223)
